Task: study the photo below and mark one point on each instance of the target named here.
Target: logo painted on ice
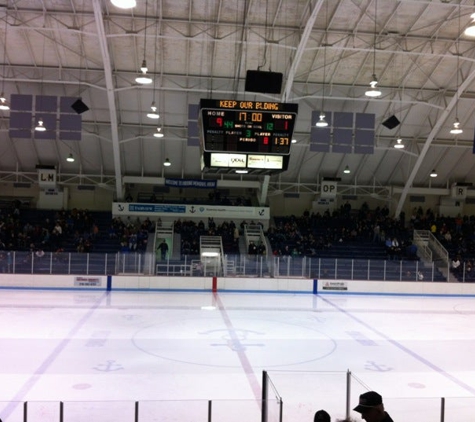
(109, 366)
(373, 366)
(235, 339)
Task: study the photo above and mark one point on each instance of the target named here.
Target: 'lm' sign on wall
(47, 178)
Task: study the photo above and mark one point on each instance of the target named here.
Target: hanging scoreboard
(247, 134)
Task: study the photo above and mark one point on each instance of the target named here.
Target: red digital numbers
(216, 122)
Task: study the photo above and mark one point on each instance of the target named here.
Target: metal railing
(421, 240)
(243, 265)
(289, 393)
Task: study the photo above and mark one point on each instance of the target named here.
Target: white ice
(100, 352)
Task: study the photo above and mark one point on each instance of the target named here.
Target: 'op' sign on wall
(47, 178)
(329, 189)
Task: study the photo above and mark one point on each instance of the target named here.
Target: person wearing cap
(371, 408)
(321, 416)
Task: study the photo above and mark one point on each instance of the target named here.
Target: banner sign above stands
(187, 211)
(191, 183)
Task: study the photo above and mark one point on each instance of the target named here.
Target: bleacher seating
(327, 237)
(345, 236)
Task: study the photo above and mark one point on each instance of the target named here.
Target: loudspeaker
(79, 107)
(266, 82)
(391, 122)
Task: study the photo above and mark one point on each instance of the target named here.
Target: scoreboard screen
(255, 131)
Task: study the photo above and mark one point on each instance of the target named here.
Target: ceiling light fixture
(322, 122)
(4, 105)
(399, 144)
(143, 78)
(70, 158)
(124, 4)
(470, 30)
(373, 91)
(242, 171)
(159, 133)
(294, 141)
(433, 173)
(347, 170)
(40, 127)
(167, 163)
(456, 129)
(152, 114)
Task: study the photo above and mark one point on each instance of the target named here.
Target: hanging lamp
(373, 91)
(124, 4)
(399, 144)
(143, 78)
(470, 30)
(153, 114)
(456, 128)
(321, 119)
(4, 104)
(40, 127)
(159, 133)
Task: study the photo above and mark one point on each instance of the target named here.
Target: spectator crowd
(78, 230)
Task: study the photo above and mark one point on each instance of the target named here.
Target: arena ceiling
(326, 49)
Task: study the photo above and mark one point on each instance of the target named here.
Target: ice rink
(123, 347)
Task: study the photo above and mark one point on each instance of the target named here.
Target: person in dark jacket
(163, 249)
(321, 416)
(371, 408)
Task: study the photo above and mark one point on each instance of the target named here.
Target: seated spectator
(252, 248)
(124, 247)
(396, 249)
(469, 270)
(261, 249)
(197, 269)
(411, 251)
(456, 264)
(389, 250)
(448, 237)
(112, 232)
(286, 251)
